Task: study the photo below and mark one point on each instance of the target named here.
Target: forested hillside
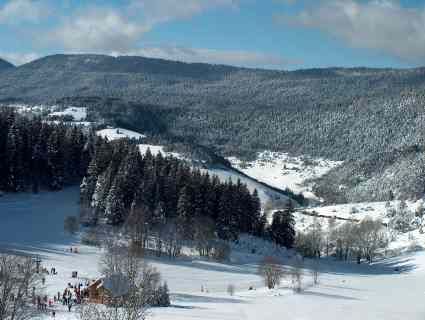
(156, 192)
(357, 115)
(4, 65)
(35, 154)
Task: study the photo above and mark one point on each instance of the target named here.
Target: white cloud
(229, 57)
(159, 11)
(17, 11)
(381, 25)
(19, 58)
(98, 30)
(102, 29)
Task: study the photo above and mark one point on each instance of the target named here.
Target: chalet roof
(117, 285)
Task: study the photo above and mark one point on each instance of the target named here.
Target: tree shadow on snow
(327, 295)
(207, 265)
(185, 297)
(386, 266)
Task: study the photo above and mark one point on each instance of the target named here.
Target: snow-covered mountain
(5, 65)
(331, 113)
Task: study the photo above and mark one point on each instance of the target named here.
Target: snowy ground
(266, 194)
(77, 113)
(33, 109)
(359, 211)
(34, 224)
(155, 149)
(119, 133)
(283, 171)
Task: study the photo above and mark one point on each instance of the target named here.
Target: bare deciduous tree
(142, 283)
(297, 275)
(370, 236)
(315, 270)
(19, 283)
(142, 287)
(231, 289)
(271, 271)
(204, 233)
(172, 240)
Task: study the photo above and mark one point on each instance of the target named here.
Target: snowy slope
(266, 194)
(358, 211)
(77, 113)
(119, 133)
(156, 149)
(346, 291)
(283, 171)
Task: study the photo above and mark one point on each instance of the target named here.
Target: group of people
(73, 294)
(73, 250)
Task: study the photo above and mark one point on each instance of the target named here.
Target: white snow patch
(283, 171)
(156, 149)
(266, 194)
(359, 211)
(119, 133)
(77, 113)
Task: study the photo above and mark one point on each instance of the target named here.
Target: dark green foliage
(282, 228)
(358, 115)
(4, 65)
(35, 154)
(163, 190)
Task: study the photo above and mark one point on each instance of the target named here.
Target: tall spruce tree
(282, 229)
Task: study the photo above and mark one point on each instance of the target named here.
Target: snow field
(33, 224)
(77, 113)
(119, 133)
(283, 171)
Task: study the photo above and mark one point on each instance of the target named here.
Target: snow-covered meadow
(76, 113)
(33, 224)
(283, 171)
(119, 133)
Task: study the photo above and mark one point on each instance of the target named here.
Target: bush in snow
(71, 224)
(297, 275)
(231, 289)
(401, 219)
(271, 271)
(311, 242)
(354, 210)
(221, 251)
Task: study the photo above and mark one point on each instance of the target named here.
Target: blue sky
(280, 34)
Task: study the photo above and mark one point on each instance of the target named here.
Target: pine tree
(282, 229)
(55, 160)
(115, 211)
(227, 221)
(185, 214)
(15, 159)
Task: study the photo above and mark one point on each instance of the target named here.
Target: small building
(104, 289)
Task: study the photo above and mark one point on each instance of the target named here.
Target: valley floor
(34, 224)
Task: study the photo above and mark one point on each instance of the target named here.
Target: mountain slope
(340, 114)
(4, 65)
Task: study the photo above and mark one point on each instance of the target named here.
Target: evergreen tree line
(35, 154)
(123, 187)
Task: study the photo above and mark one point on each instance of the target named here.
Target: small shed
(104, 289)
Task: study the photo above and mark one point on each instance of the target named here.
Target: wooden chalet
(105, 289)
